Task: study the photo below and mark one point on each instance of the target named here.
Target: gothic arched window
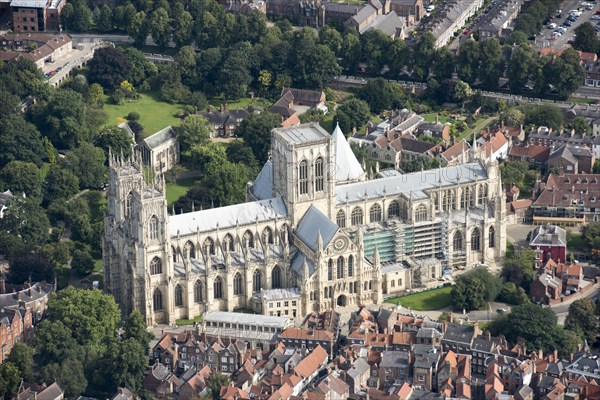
(218, 288)
(128, 204)
(303, 177)
(319, 175)
(155, 266)
(340, 268)
(189, 250)
(482, 193)
(178, 296)
(457, 241)
(238, 285)
(257, 280)
(375, 213)
(249, 239)
(350, 266)
(276, 277)
(174, 253)
(153, 228)
(228, 243)
(157, 303)
(357, 216)
(475, 239)
(198, 292)
(449, 202)
(421, 213)
(393, 209)
(403, 209)
(209, 245)
(267, 236)
(340, 219)
(330, 270)
(491, 237)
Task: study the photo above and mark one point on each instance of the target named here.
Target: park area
(429, 300)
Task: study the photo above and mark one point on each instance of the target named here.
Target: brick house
(545, 287)
(550, 241)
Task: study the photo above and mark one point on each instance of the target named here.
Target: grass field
(442, 118)
(425, 301)
(154, 114)
(183, 321)
(178, 189)
(240, 103)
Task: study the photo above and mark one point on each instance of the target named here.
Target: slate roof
(459, 333)
(240, 318)
(347, 167)
(394, 359)
(226, 117)
(160, 137)
(223, 217)
(548, 235)
(569, 189)
(359, 368)
(482, 344)
(313, 223)
(262, 188)
(563, 152)
(302, 134)
(413, 184)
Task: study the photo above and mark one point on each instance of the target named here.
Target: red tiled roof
(532, 151)
(311, 363)
(311, 334)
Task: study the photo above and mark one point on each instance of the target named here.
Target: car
(430, 8)
(562, 29)
(552, 26)
(598, 12)
(571, 41)
(567, 23)
(467, 31)
(501, 310)
(595, 16)
(532, 37)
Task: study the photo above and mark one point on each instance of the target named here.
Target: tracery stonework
(313, 223)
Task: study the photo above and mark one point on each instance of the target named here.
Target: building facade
(313, 222)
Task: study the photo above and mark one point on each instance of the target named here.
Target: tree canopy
(109, 67)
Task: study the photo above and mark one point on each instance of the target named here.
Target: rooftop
(246, 319)
(302, 134)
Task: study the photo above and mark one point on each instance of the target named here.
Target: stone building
(312, 222)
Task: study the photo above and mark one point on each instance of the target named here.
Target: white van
(430, 8)
(552, 26)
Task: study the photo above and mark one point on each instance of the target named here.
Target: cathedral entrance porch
(342, 301)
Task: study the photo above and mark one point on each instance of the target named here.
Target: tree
(423, 55)
(27, 266)
(135, 328)
(91, 316)
(382, 95)
(116, 140)
(78, 17)
(469, 293)
(194, 130)
(53, 341)
(124, 365)
(159, 27)
(184, 25)
(21, 177)
(375, 46)
(109, 67)
(580, 125)
(60, 183)
(398, 57)
(24, 221)
(141, 68)
(256, 132)
(513, 117)
(63, 119)
(444, 63)
(225, 182)
(239, 152)
(353, 113)
(214, 384)
(512, 294)
(520, 68)
(569, 344)
(490, 281)
(21, 356)
(82, 262)
(565, 73)
(543, 115)
(519, 268)
(70, 374)
(105, 20)
(462, 91)
(20, 141)
(582, 319)
(491, 65)
(596, 167)
(87, 163)
(467, 61)
(9, 380)
(534, 323)
(586, 39)
(331, 38)
(138, 28)
(351, 51)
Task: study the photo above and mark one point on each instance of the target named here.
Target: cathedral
(315, 233)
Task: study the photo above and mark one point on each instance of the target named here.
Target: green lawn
(442, 118)
(581, 100)
(240, 103)
(63, 274)
(178, 189)
(154, 113)
(98, 265)
(183, 321)
(468, 132)
(425, 301)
